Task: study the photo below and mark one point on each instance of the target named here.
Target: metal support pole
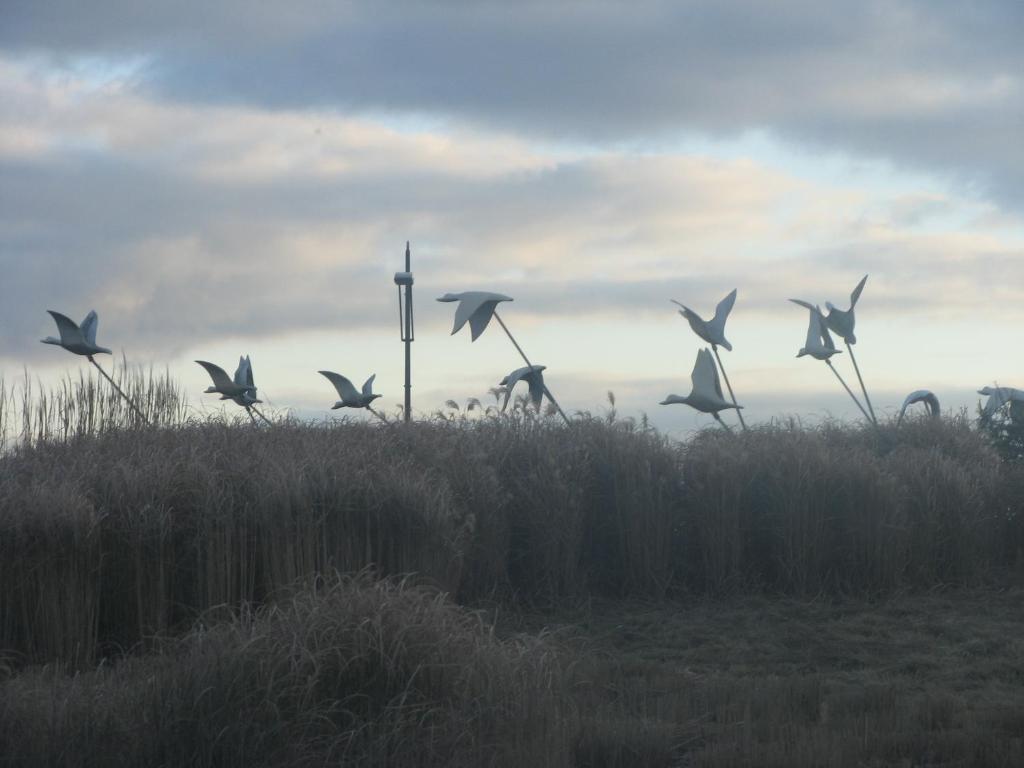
(848, 390)
(853, 359)
(714, 348)
(406, 326)
(120, 391)
(260, 414)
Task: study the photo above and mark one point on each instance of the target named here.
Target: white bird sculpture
(841, 322)
(998, 397)
(820, 346)
(926, 396)
(713, 330)
(350, 396)
(241, 389)
(533, 375)
(81, 340)
(477, 307)
(241, 386)
(706, 393)
(818, 343)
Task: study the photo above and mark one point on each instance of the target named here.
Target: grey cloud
(935, 85)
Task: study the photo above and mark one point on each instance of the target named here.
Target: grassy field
(933, 679)
(587, 596)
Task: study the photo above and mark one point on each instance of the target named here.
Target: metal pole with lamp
(407, 329)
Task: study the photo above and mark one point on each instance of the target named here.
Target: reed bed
(84, 404)
(111, 539)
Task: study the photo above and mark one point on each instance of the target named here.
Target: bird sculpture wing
(463, 312)
(723, 309)
(243, 373)
(907, 401)
(220, 377)
(88, 327)
(536, 382)
(479, 320)
(509, 383)
(368, 386)
(526, 372)
(920, 396)
(814, 327)
(690, 316)
(826, 337)
(345, 388)
(856, 291)
(705, 375)
(69, 332)
(714, 372)
(475, 307)
(807, 305)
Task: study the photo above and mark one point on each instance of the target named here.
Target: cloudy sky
(227, 178)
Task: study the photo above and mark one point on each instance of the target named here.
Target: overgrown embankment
(107, 540)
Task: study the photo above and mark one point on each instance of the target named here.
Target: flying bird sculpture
(81, 340)
(534, 377)
(819, 345)
(242, 385)
(926, 396)
(476, 307)
(713, 332)
(350, 396)
(842, 322)
(240, 389)
(1000, 396)
(706, 392)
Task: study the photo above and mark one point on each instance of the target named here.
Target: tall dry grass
(112, 535)
(347, 671)
(85, 404)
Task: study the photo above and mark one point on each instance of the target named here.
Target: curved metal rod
(121, 392)
(714, 348)
(863, 389)
(258, 413)
(848, 390)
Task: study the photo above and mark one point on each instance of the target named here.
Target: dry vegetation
(167, 597)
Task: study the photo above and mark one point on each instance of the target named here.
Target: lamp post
(406, 327)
